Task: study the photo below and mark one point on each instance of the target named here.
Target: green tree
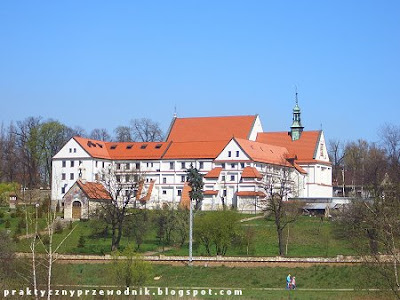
(195, 180)
(217, 229)
(130, 269)
(137, 226)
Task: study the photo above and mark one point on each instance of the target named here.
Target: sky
(100, 64)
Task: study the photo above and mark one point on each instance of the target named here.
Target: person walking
(293, 283)
(288, 281)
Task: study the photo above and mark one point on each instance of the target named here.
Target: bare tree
(122, 195)
(100, 134)
(390, 140)
(278, 190)
(336, 154)
(123, 134)
(146, 130)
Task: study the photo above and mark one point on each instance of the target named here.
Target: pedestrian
(288, 281)
(293, 283)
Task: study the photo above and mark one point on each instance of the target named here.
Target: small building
(13, 200)
(83, 198)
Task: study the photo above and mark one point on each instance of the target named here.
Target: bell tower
(296, 129)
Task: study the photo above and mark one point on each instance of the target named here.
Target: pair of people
(290, 282)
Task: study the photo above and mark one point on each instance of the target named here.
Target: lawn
(318, 282)
(308, 237)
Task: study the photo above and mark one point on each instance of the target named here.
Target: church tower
(296, 129)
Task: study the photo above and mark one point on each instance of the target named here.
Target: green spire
(296, 129)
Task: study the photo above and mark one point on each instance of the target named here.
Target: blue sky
(102, 63)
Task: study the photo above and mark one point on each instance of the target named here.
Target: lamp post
(190, 233)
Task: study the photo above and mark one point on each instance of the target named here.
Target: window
(223, 178)
(129, 146)
(223, 165)
(232, 177)
(63, 190)
(164, 192)
(229, 153)
(64, 163)
(113, 147)
(118, 177)
(171, 165)
(201, 165)
(103, 164)
(158, 146)
(96, 163)
(71, 176)
(72, 163)
(63, 176)
(183, 178)
(118, 166)
(183, 165)
(237, 153)
(224, 193)
(74, 150)
(179, 192)
(70, 150)
(242, 165)
(233, 166)
(127, 178)
(127, 166)
(164, 180)
(137, 166)
(144, 146)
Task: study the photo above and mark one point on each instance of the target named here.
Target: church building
(239, 162)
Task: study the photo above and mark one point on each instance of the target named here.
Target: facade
(238, 160)
(83, 198)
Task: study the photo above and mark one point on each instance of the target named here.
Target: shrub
(81, 242)
(58, 228)
(7, 224)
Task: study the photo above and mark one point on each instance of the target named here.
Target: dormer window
(113, 147)
(144, 146)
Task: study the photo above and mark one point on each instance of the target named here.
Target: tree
(336, 155)
(373, 229)
(390, 141)
(130, 269)
(283, 212)
(123, 134)
(100, 134)
(195, 179)
(137, 225)
(122, 194)
(146, 130)
(217, 229)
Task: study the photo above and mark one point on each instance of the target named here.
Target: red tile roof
(209, 149)
(214, 173)
(210, 128)
(125, 150)
(94, 148)
(148, 150)
(185, 198)
(210, 193)
(304, 147)
(250, 194)
(264, 153)
(251, 172)
(94, 190)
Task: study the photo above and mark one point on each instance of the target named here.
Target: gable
(72, 149)
(232, 151)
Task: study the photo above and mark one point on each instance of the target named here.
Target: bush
(81, 242)
(7, 224)
(58, 228)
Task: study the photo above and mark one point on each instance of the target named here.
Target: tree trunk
(280, 241)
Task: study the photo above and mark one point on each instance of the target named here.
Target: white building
(235, 156)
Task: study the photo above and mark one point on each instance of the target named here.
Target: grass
(254, 282)
(307, 237)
